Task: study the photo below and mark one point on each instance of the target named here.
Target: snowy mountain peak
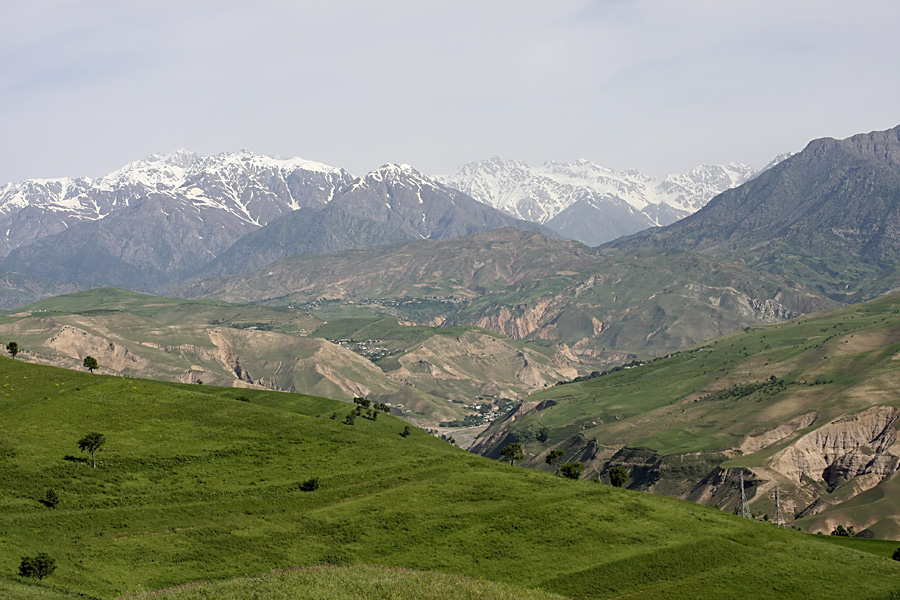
(540, 194)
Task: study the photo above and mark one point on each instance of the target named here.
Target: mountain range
(181, 215)
(166, 217)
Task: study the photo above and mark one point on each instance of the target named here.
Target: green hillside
(764, 399)
(196, 484)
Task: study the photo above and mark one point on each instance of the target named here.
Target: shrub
(50, 499)
(310, 485)
(572, 470)
(406, 431)
(896, 555)
(843, 532)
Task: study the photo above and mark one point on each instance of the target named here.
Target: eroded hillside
(809, 406)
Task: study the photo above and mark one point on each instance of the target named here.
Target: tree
(12, 348)
(93, 443)
(406, 431)
(513, 453)
(543, 434)
(618, 475)
(37, 567)
(572, 470)
(896, 555)
(554, 458)
(90, 363)
(842, 532)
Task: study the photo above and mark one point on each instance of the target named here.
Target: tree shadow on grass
(76, 459)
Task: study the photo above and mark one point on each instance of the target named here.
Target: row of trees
(514, 453)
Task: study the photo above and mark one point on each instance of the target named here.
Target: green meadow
(201, 484)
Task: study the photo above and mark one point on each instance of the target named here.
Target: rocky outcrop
(533, 318)
(753, 443)
(861, 444)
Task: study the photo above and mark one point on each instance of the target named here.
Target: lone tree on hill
(572, 470)
(618, 475)
(554, 458)
(37, 567)
(12, 348)
(90, 363)
(93, 443)
(513, 453)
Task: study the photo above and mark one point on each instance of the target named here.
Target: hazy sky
(656, 85)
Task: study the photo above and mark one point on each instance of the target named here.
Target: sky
(661, 86)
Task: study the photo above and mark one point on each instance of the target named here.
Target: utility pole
(779, 518)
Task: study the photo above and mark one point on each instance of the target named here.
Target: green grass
(884, 548)
(330, 582)
(197, 485)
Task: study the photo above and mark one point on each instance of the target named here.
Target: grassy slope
(331, 582)
(196, 485)
(666, 406)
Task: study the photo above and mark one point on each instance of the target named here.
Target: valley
(290, 362)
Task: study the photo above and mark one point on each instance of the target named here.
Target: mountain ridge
(827, 216)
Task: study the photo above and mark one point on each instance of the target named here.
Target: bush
(310, 485)
(406, 431)
(896, 555)
(50, 499)
(571, 470)
(842, 532)
(37, 567)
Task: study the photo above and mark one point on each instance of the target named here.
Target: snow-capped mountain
(401, 196)
(249, 190)
(168, 216)
(603, 204)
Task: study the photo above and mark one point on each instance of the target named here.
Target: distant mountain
(401, 196)
(166, 217)
(242, 189)
(827, 217)
(531, 287)
(590, 203)
(303, 231)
